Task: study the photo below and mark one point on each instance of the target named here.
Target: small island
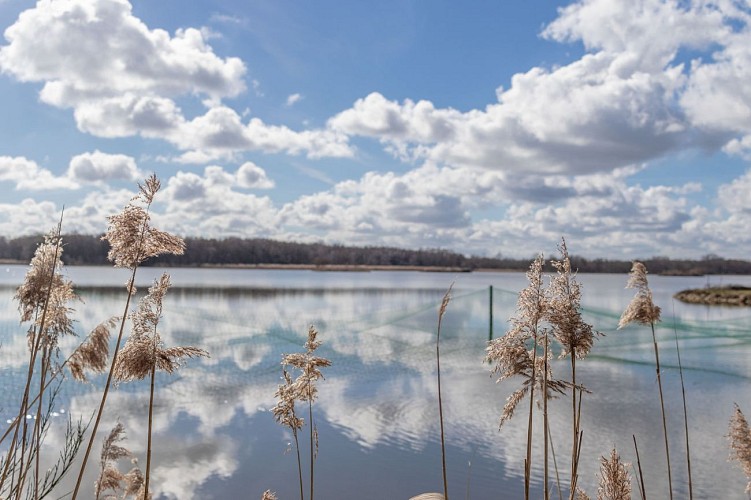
(731, 295)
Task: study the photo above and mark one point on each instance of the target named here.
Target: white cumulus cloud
(101, 167)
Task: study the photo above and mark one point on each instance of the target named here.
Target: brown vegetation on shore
(732, 295)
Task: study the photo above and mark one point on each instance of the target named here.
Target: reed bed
(547, 324)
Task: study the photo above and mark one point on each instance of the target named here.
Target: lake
(377, 409)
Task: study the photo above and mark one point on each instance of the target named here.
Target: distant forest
(91, 250)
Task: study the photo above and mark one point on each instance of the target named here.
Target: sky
(483, 127)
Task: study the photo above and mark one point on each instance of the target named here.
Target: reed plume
(511, 356)
(110, 477)
(615, 481)
(43, 300)
(573, 333)
(740, 443)
(132, 240)
(441, 312)
(309, 366)
(128, 485)
(284, 413)
(93, 352)
(268, 495)
(144, 352)
(642, 310)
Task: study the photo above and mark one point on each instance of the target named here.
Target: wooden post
(490, 330)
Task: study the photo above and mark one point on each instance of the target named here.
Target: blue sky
(483, 127)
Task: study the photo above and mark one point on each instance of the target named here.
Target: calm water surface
(215, 437)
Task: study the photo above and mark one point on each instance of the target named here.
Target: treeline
(91, 250)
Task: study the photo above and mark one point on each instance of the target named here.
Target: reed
(739, 435)
(575, 336)
(132, 241)
(284, 413)
(441, 312)
(144, 353)
(685, 410)
(511, 357)
(615, 481)
(642, 310)
(304, 388)
(43, 300)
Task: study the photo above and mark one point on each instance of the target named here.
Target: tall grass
(642, 310)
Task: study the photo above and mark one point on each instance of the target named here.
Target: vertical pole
(490, 330)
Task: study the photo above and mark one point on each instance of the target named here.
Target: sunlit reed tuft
(641, 309)
(144, 354)
(268, 495)
(110, 477)
(284, 413)
(740, 443)
(305, 388)
(510, 356)
(132, 240)
(93, 352)
(615, 481)
(573, 333)
(131, 236)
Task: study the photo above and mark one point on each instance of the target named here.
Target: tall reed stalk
(441, 312)
(132, 241)
(575, 336)
(143, 354)
(685, 410)
(42, 299)
(303, 389)
(512, 355)
(642, 310)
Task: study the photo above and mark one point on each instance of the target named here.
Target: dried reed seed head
(149, 311)
(132, 239)
(532, 303)
(268, 495)
(44, 265)
(110, 477)
(143, 349)
(44, 295)
(287, 393)
(92, 353)
(641, 309)
(312, 344)
(309, 366)
(511, 403)
(615, 481)
(134, 482)
(637, 278)
(111, 451)
(149, 188)
(445, 302)
(581, 494)
(564, 309)
(140, 354)
(740, 443)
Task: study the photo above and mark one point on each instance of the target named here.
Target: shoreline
(731, 295)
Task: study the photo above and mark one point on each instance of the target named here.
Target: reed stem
(685, 411)
(662, 408)
(131, 286)
(642, 489)
(440, 399)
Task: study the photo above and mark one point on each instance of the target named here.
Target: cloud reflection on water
(213, 430)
